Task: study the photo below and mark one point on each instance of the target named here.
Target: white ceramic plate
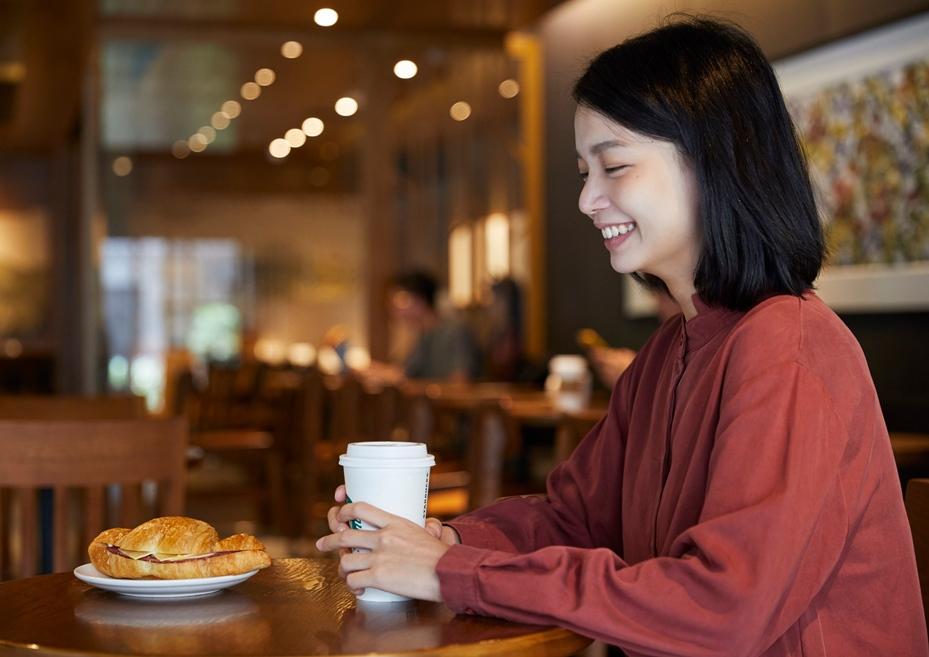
(159, 589)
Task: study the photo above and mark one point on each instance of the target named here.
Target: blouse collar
(709, 322)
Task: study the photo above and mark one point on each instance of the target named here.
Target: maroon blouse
(740, 498)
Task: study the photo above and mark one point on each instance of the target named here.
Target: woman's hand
(399, 556)
(433, 525)
(610, 363)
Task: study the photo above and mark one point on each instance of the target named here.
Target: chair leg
(275, 483)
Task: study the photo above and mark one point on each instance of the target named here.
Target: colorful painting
(867, 141)
(861, 106)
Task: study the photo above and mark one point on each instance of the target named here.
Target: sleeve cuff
(457, 571)
(483, 535)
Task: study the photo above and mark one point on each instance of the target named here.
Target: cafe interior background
(205, 200)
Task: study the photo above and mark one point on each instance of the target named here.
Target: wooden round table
(295, 607)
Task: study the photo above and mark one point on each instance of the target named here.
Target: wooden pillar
(376, 152)
(85, 305)
(527, 50)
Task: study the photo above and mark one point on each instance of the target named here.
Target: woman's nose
(591, 199)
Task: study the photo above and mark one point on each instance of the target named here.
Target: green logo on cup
(353, 523)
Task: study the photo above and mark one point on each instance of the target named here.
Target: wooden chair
(63, 407)
(917, 510)
(464, 476)
(499, 437)
(238, 425)
(84, 462)
(336, 410)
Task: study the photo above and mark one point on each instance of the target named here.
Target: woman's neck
(683, 295)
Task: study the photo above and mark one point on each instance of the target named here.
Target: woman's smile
(616, 234)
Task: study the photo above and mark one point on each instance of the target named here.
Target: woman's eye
(583, 176)
(615, 169)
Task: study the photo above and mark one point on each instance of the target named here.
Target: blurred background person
(443, 346)
(336, 339)
(504, 339)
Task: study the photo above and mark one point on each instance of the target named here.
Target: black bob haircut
(419, 283)
(705, 86)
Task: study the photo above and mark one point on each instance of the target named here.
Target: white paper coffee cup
(393, 476)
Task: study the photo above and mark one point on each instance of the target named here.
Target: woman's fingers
(400, 557)
(351, 562)
(444, 533)
(359, 580)
(367, 513)
(349, 538)
(434, 527)
(354, 561)
(335, 525)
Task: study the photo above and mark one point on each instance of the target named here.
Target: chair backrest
(344, 395)
(95, 470)
(917, 510)
(61, 407)
(495, 433)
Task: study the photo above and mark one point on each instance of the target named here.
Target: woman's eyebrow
(599, 147)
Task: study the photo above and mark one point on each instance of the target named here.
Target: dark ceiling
(166, 65)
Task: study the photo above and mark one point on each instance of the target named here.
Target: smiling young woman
(740, 497)
(641, 195)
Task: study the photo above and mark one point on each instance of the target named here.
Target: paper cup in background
(393, 476)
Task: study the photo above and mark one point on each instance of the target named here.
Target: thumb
(434, 527)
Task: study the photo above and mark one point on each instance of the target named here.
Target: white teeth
(612, 231)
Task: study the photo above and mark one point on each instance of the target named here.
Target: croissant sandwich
(175, 547)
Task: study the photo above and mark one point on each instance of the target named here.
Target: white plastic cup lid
(568, 365)
(387, 454)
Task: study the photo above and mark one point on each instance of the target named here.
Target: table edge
(521, 646)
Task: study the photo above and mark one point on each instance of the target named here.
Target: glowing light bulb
(231, 108)
(208, 133)
(122, 166)
(326, 17)
(346, 106)
(180, 149)
(295, 137)
(292, 49)
(279, 148)
(313, 127)
(405, 69)
(196, 142)
(460, 111)
(250, 91)
(265, 77)
(508, 88)
(219, 121)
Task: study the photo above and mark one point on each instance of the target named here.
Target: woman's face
(641, 196)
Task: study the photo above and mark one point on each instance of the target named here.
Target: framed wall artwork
(861, 106)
